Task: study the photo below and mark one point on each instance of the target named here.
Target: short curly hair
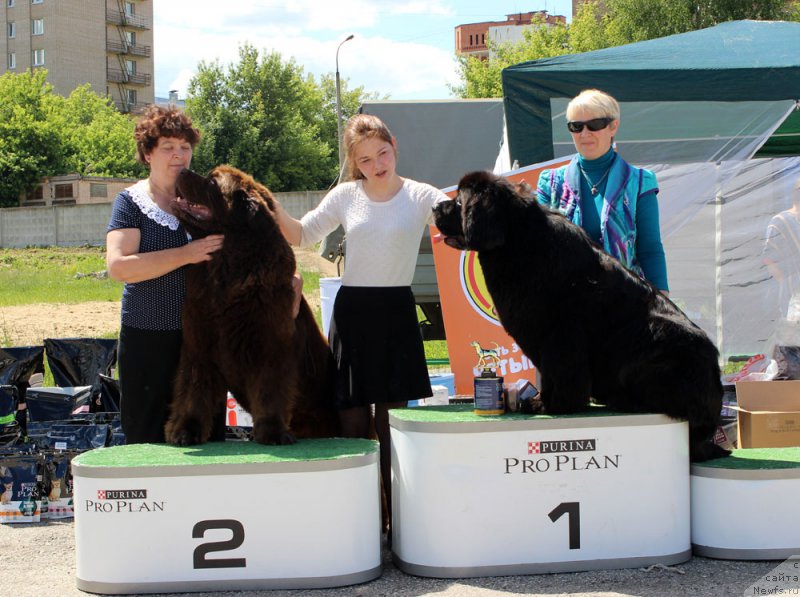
(161, 121)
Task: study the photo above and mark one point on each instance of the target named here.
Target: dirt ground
(28, 325)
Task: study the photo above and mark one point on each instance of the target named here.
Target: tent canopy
(739, 61)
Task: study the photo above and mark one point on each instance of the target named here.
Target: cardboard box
(768, 414)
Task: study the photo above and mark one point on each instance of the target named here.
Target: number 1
(573, 511)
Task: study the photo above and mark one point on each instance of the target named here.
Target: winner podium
(153, 518)
(524, 494)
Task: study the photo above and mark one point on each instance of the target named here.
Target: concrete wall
(76, 225)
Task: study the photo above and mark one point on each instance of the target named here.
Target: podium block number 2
(573, 512)
(237, 538)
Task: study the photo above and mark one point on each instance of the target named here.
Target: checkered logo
(560, 446)
(121, 494)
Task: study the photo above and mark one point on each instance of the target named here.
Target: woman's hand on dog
(201, 250)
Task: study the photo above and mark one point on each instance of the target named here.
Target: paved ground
(39, 560)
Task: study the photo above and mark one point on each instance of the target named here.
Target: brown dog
(238, 329)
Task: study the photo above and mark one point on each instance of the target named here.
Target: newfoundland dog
(238, 330)
(591, 327)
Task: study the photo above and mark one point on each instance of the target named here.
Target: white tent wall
(714, 246)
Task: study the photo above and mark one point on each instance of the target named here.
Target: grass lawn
(77, 275)
(55, 275)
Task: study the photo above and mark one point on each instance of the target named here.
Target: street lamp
(339, 107)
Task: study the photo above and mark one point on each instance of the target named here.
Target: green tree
(30, 144)
(638, 20)
(98, 139)
(264, 116)
(621, 22)
(44, 134)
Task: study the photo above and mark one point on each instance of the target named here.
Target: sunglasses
(594, 125)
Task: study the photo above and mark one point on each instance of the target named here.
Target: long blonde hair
(357, 129)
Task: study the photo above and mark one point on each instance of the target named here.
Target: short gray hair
(599, 103)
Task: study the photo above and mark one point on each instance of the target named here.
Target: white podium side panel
(745, 515)
(227, 531)
(607, 492)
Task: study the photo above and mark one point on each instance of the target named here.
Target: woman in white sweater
(374, 333)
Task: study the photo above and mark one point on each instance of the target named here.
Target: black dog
(591, 327)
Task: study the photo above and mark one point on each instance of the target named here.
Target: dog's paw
(273, 437)
(707, 450)
(186, 434)
(184, 438)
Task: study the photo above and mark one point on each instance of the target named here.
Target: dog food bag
(20, 498)
(727, 435)
(75, 436)
(57, 404)
(18, 365)
(10, 430)
(57, 492)
(521, 396)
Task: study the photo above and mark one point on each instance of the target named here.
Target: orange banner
(471, 325)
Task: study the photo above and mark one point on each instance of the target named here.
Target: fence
(77, 225)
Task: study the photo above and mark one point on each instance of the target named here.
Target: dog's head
(479, 217)
(227, 196)
(447, 217)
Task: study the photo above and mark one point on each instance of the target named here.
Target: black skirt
(377, 345)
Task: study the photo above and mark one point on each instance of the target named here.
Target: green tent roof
(734, 61)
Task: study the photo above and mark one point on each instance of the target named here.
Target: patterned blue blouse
(150, 304)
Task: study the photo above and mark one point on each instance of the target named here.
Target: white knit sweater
(382, 237)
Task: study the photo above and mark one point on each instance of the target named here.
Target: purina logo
(571, 445)
(121, 494)
(561, 456)
(123, 500)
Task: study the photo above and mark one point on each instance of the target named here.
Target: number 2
(573, 511)
(237, 538)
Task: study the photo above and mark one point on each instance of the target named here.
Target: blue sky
(401, 48)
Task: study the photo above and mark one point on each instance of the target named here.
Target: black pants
(148, 361)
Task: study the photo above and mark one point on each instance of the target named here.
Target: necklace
(596, 184)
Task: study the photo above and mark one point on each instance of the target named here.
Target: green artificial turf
(465, 413)
(757, 459)
(231, 452)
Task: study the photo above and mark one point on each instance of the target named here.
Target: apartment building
(472, 38)
(106, 43)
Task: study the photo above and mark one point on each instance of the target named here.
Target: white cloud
(399, 69)
(421, 8)
(308, 31)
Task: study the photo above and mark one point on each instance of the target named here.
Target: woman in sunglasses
(614, 202)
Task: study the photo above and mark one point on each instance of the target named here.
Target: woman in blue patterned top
(614, 202)
(147, 248)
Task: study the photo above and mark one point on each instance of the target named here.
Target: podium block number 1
(237, 538)
(573, 512)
